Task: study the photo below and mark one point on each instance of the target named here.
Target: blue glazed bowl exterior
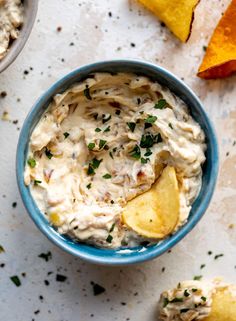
(210, 168)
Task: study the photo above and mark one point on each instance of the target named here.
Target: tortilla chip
(220, 57)
(223, 306)
(176, 14)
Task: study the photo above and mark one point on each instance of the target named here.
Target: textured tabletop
(57, 287)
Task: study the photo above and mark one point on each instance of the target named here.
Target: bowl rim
(19, 43)
(73, 247)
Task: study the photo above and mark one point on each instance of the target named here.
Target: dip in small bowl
(107, 148)
(16, 21)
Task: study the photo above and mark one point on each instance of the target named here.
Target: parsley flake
(97, 130)
(197, 277)
(66, 134)
(109, 238)
(144, 161)
(1, 249)
(15, 279)
(107, 129)
(89, 186)
(148, 152)
(102, 143)
(94, 164)
(131, 126)
(177, 300)
(48, 153)
(112, 227)
(150, 119)
(91, 146)
(31, 162)
(107, 176)
(87, 93)
(186, 293)
(135, 152)
(161, 104)
(97, 289)
(166, 302)
(45, 256)
(105, 118)
(36, 182)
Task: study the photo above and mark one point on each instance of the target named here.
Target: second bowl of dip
(88, 172)
(16, 24)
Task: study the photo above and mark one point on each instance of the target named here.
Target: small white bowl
(30, 11)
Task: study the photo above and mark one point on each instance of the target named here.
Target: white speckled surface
(97, 36)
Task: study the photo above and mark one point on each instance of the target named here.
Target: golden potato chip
(220, 57)
(155, 213)
(223, 306)
(176, 14)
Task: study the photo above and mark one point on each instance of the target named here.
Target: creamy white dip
(11, 19)
(190, 300)
(96, 148)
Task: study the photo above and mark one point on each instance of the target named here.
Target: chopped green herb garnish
(131, 126)
(112, 227)
(218, 256)
(166, 302)
(1, 249)
(93, 165)
(91, 146)
(135, 153)
(98, 130)
(89, 186)
(87, 93)
(148, 140)
(144, 161)
(31, 162)
(111, 155)
(197, 277)
(106, 176)
(96, 162)
(105, 118)
(107, 129)
(15, 279)
(61, 278)
(48, 153)
(202, 266)
(90, 170)
(160, 104)
(36, 182)
(150, 119)
(45, 256)
(204, 298)
(102, 143)
(194, 290)
(170, 125)
(109, 238)
(148, 152)
(186, 293)
(66, 134)
(177, 300)
(97, 289)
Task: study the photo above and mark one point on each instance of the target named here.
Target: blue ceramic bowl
(210, 168)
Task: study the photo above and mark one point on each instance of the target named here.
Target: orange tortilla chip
(220, 57)
(176, 14)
